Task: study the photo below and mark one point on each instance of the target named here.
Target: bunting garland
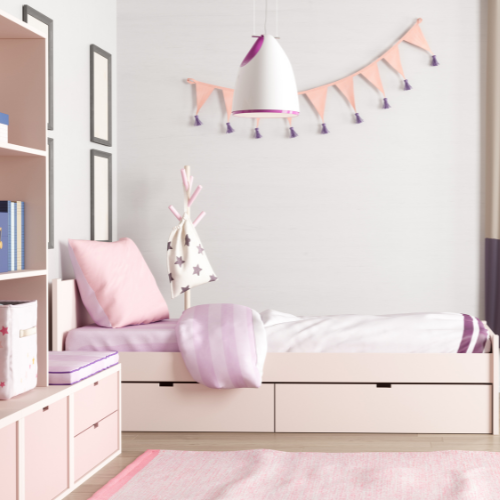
(317, 96)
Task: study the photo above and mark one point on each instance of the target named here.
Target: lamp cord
(265, 21)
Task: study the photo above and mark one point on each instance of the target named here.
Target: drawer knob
(96, 383)
(384, 386)
(166, 384)
(46, 408)
(96, 425)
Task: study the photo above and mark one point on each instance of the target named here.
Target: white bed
(305, 392)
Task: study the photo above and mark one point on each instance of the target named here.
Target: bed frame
(304, 392)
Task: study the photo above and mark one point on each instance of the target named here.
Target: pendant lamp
(265, 87)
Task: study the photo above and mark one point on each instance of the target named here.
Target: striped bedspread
(223, 345)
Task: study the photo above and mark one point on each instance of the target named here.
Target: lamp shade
(265, 87)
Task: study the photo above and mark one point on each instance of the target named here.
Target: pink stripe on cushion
(216, 339)
(117, 483)
(481, 339)
(203, 355)
(229, 332)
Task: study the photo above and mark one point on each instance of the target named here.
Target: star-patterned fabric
(18, 350)
(187, 261)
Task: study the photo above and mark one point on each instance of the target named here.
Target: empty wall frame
(100, 96)
(45, 25)
(101, 206)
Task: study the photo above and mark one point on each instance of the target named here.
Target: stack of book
(11, 236)
(4, 127)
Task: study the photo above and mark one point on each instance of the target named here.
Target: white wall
(382, 217)
(77, 24)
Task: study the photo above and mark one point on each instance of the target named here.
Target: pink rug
(277, 475)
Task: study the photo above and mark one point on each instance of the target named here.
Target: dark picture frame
(101, 126)
(50, 161)
(101, 196)
(31, 12)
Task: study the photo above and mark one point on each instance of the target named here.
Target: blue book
(4, 237)
(4, 119)
(22, 235)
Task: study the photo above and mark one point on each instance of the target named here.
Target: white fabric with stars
(187, 261)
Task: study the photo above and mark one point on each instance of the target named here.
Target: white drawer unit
(193, 407)
(54, 438)
(396, 408)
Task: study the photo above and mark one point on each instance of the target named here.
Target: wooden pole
(187, 193)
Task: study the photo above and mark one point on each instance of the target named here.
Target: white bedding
(427, 332)
(431, 332)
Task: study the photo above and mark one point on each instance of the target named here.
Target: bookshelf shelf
(7, 149)
(25, 273)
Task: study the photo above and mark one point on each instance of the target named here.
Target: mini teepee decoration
(187, 261)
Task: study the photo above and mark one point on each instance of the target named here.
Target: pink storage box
(18, 347)
(70, 367)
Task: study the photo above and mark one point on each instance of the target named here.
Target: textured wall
(77, 24)
(382, 217)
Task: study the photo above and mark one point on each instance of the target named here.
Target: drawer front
(95, 445)
(194, 407)
(411, 408)
(8, 459)
(96, 402)
(46, 452)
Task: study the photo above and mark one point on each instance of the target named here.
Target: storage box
(4, 127)
(18, 348)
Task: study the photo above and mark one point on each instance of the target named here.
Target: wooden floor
(135, 443)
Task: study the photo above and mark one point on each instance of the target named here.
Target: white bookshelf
(23, 164)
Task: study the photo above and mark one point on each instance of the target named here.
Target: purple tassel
(197, 121)
(324, 130)
(434, 61)
(407, 85)
(230, 129)
(293, 133)
(358, 118)
(257, 134)
(386, 103)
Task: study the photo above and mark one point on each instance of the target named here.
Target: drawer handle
(166, 384)
(46, 408)
(384, 386)
(96, 425)
(96, 383)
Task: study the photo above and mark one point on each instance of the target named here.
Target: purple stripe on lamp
(288, 112)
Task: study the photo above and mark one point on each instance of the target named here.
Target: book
(4, 237)
(7, 231)
(19, 235)
(12, 235)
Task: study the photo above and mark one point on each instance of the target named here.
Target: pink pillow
(115, 283)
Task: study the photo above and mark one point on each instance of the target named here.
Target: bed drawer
(401, 408)
(95, 445)
(96, 402)
(8, 462)
(193, 407)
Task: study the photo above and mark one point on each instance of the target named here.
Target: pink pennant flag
(203, 92)
(228, 100)
(393, 58)
(346, 86)
(416, 37)
(371, 73)
(317, 97)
